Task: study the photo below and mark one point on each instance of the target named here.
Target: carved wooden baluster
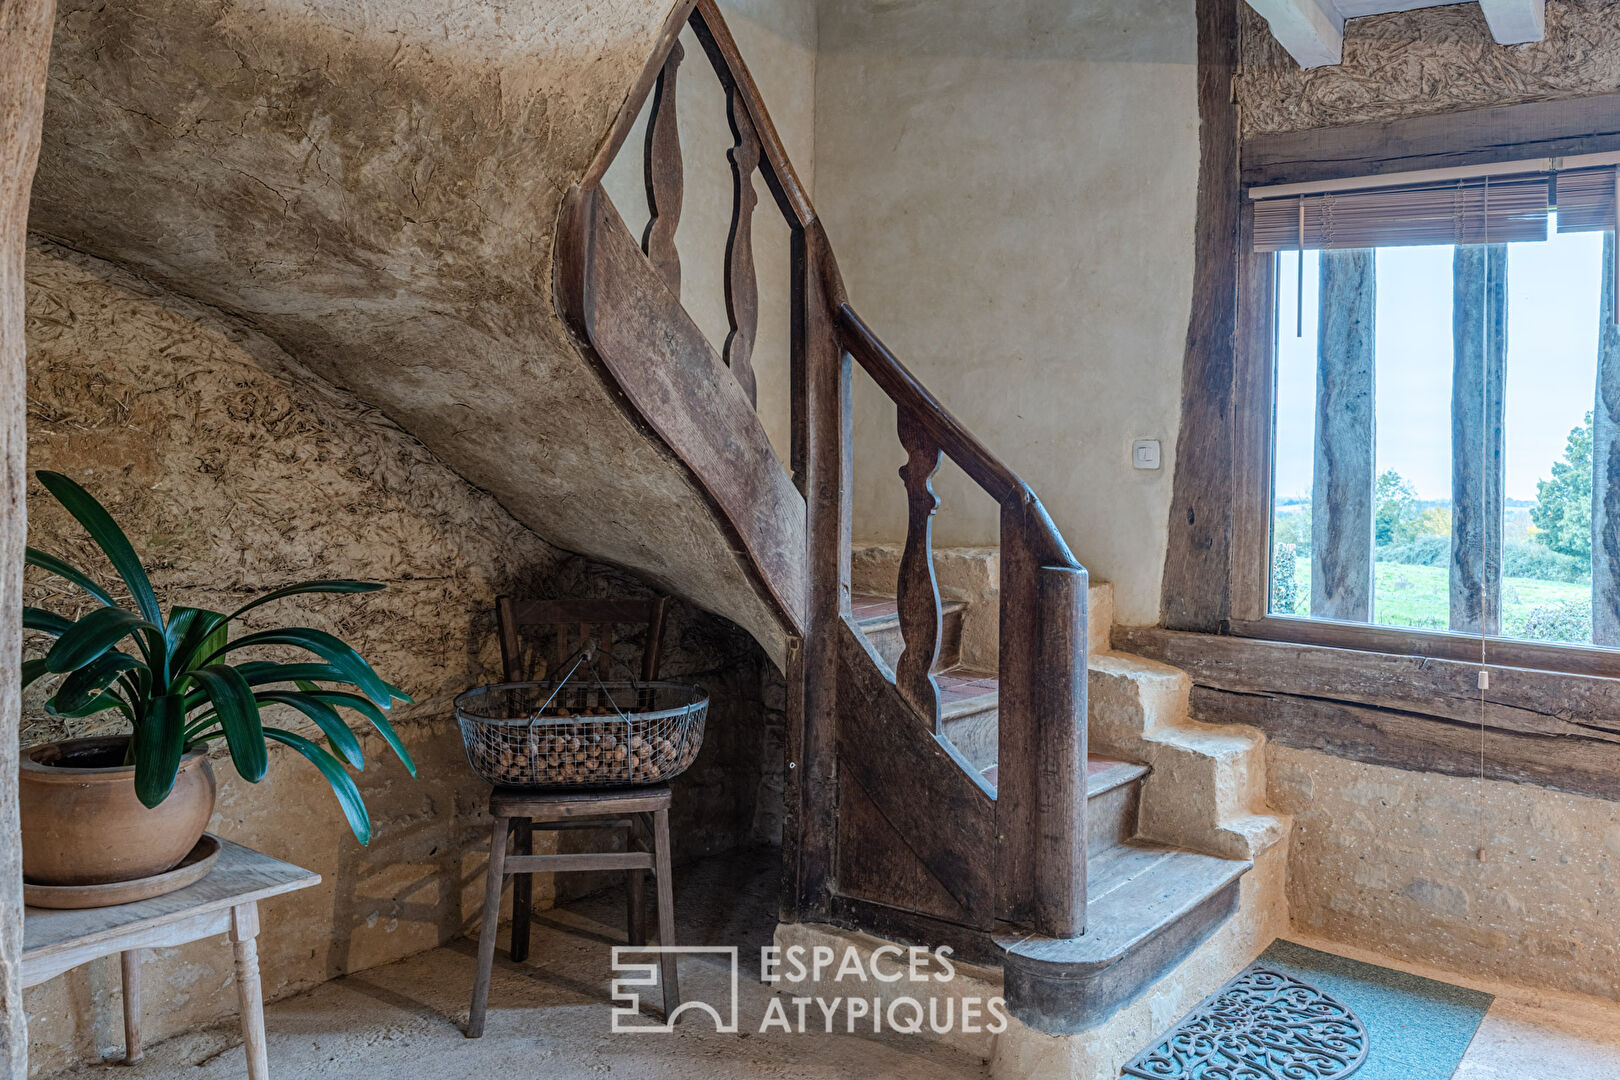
(663, 175)
(742, 291)
(918, 593)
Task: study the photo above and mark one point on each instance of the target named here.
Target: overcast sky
(1552, 362)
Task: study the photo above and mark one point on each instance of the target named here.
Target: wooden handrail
(780, 175)
(955, 440)
(903, 388)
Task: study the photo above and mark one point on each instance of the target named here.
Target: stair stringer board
(925, 793)
(631, 323)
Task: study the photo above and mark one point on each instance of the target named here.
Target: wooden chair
(518, 811)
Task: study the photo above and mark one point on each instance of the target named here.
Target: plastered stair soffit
(376, 188)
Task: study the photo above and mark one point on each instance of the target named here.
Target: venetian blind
(1586, 199)
(1465, 211)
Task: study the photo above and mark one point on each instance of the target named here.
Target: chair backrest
(589, 619)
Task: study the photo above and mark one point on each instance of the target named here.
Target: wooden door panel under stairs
(877, 866)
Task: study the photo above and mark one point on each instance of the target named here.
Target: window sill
(1409, 709)
(1433, 644)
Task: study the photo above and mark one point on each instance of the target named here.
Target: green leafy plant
(1563, 511)
(175, 686)
(1397, 515)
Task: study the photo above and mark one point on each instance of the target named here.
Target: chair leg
(635, 884)
(491, 927)
(522, 890)
(666, 911)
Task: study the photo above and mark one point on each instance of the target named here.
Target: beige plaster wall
(234, 470)
(1432, 60)
(1498, 880)
(1010, 191)
(777, 39)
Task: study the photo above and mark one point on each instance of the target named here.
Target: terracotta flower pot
(83, 825)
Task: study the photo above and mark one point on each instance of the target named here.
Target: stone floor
(551, 1016)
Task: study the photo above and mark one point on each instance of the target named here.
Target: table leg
(249, 993)
(130, 962)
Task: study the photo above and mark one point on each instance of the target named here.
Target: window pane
(1554, 292)
(1292, 459)
(1412, 486)
(1481, 365)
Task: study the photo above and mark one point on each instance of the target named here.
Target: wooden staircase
(928, 801)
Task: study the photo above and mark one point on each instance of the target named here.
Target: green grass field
(1420, 596)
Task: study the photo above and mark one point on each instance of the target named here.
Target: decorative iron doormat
(1263, 1025)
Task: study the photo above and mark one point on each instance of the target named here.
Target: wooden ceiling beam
(1311, 30)
(1516, 21)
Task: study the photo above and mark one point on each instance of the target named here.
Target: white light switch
(1145, 454)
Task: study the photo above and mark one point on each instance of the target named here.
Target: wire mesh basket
(556, 734)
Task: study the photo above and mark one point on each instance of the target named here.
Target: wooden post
(1059, 843)
(1041, 726)
(1342, 494)
(1606, 467)
(25, 42)
(1478, 381)
(1199, 552)
(823, 462)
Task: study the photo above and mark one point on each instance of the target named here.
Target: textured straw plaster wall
(1432, 60)
(1010, 190)
(376, 188)
(234, 470)
(1499, 880)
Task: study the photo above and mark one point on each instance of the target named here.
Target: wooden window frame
(1479, 137)
(1380, 695)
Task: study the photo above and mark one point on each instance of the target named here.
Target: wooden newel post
(1041, 774)
(1060, 742)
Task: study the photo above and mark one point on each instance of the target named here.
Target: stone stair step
(1147, 908)
(879, 619)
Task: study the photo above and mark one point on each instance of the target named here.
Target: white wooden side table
(226, 901)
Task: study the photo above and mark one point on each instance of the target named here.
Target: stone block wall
(1487, 878)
